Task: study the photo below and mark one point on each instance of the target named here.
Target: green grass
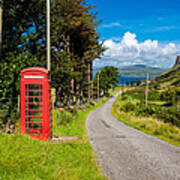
(159, 103)
(75, 124)
(149, 125)
(22, 157)
(114, 91)
(169, 78)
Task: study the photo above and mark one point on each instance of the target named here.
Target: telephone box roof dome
(35, 69)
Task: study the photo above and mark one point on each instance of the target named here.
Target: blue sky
(141, 29)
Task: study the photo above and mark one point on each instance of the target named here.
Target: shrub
(134, 102)
(128, 107)
(66, 117)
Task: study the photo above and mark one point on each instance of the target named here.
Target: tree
(1, 13)
(138, 83)
(73, 35)
(22, 46)
(25, 32)
(74, 45)
(132, 83)
(10, 80)
(108, 78)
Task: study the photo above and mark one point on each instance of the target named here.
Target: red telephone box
(36, 106)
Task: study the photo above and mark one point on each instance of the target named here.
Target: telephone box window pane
(33, 109)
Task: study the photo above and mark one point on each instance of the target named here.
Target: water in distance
(123, 80)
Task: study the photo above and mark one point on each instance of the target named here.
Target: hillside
(171, 77)
(138, 70)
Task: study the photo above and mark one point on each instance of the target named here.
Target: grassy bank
(22, 157)
(124, 109)
(73, 124)
(115, 90)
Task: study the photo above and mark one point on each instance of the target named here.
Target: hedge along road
(128, 154)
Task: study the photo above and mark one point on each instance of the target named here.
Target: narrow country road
(128, 154)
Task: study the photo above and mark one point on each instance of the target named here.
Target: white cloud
(162, 29)
(129, 51)
(115, 24)
(165, 28)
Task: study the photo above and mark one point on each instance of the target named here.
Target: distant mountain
(140, 65)
(140, 70)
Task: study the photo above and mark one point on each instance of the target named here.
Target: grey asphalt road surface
(128, 154)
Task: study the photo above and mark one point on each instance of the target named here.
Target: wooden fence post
(98, 86)
(147, 89)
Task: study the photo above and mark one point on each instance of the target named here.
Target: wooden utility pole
(72, 90)
(1, 24)
(147, 89)
(48, 45)
(98, 86)
(89, 82)
(19, 102)
(92, 87)
(122, 86)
